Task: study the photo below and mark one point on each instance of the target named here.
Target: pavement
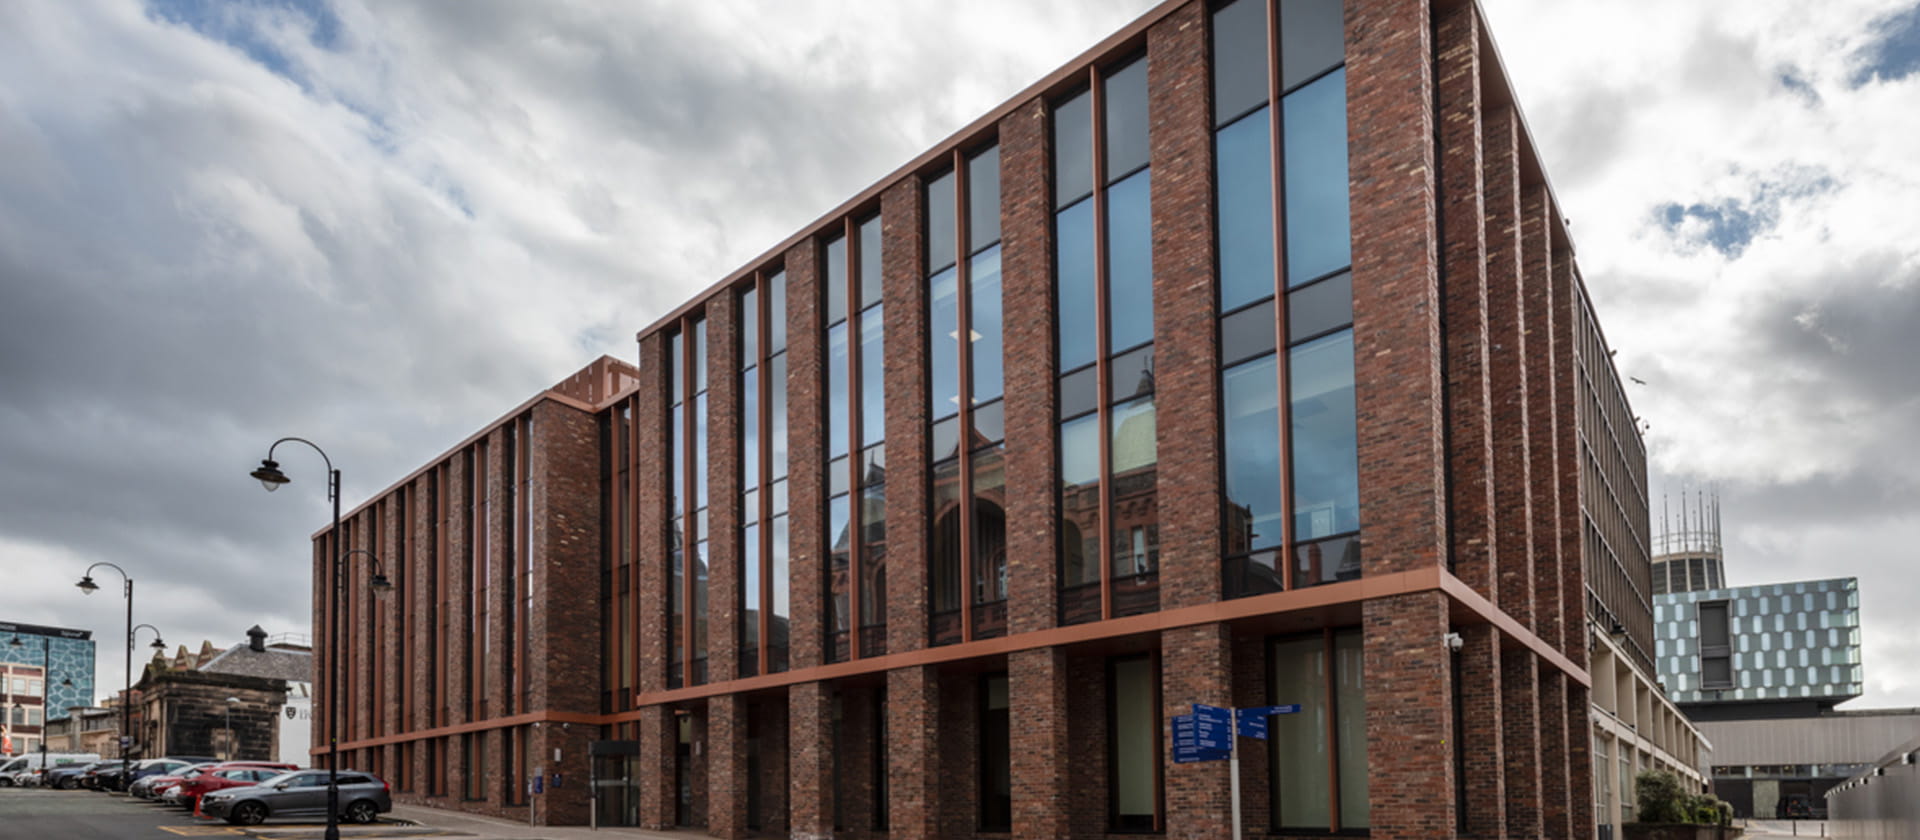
(457, 824)
(1787, 828)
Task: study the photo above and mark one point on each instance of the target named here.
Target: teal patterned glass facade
(70, 657)
(1783, 641)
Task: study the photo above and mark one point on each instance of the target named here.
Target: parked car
(222, 776)
(153, 767)
(100, 776)
(157, 786)
(70, 776)
(302, 794)
(30, 763)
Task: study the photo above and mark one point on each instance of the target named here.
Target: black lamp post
(87, 586)
(271, 478)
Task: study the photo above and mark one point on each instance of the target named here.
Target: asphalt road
(32, 814)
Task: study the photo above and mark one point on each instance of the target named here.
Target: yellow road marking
(203, 830)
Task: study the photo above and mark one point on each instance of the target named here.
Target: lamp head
(158, 645)
(382, 587)
(270, 475)
(87, 585)
(66, 683)
(16, 642)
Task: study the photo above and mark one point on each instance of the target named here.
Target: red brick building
(1279, 385)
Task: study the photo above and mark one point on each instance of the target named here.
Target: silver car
(300, 794)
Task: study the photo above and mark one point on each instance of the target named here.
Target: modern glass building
(1779, 643)
(69, 652)
(1243, 361)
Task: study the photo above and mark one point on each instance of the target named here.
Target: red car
(157, 786)
(225, 775)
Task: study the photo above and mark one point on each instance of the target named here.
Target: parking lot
(29, 814)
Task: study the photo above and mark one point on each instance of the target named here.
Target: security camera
(1454, 642)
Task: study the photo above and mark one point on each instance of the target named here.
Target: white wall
(296, 726)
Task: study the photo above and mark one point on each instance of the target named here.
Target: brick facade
(1465, 312)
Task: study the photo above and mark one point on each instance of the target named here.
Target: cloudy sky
(380, 225)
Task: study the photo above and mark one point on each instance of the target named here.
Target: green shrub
(1660, 798)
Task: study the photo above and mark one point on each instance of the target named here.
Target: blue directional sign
(1249, 724)
(1197, 739)
(1223, 717)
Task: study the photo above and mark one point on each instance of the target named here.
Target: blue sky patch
(1895, 51)
(1729, 225)
(242, 26)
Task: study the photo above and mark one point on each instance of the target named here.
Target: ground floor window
(996, 756)
(1133, 746)
(1319, 755)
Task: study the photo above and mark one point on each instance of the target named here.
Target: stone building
(223, 703)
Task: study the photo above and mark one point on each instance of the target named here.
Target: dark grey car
(300, 794)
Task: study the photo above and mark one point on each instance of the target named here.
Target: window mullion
(963, 309)
(1097, 114)
(850, 235)
(1282, 368)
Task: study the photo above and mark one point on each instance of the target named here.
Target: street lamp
(87, 586)
(231, 702)
(271, 477)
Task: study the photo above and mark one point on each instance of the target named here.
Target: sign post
(1212, 733)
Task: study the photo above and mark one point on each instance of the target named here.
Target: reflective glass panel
(989, 526)
(983, 199)
(777, 312)
(1079, 391)
(943, 337)
(782, 601)
(940, 223)
(989, 424)
(750, 427)
(873, 554)
(1130, 262)
(839, 369)
(1239, 59)
(1080, 501)
(777, 413)
(1132, 374)
(836, 281)
(750, 586)
(870, 272)
(1350, 727)
(700, 355)
(946, 438)
(1125, 94)
(749, 328)
(1316, 156)
(1246, 209)
(1326, 485)
(699, 445)
(1251, 444)
(1073, 150)
(1247, 333)
(1075, 291)
(676, 351)
(984, 323)
(840, 548)
(1326, 305)
(945, 570)
(1311, 39)
(873, 376)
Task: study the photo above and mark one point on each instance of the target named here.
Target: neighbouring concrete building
(1242, 361)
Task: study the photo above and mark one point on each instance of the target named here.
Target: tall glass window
(856, 453)
(1322, 673)
(968, 556)
(1109, 456)
(1291, 465)
(763, 472)
(687, 494)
